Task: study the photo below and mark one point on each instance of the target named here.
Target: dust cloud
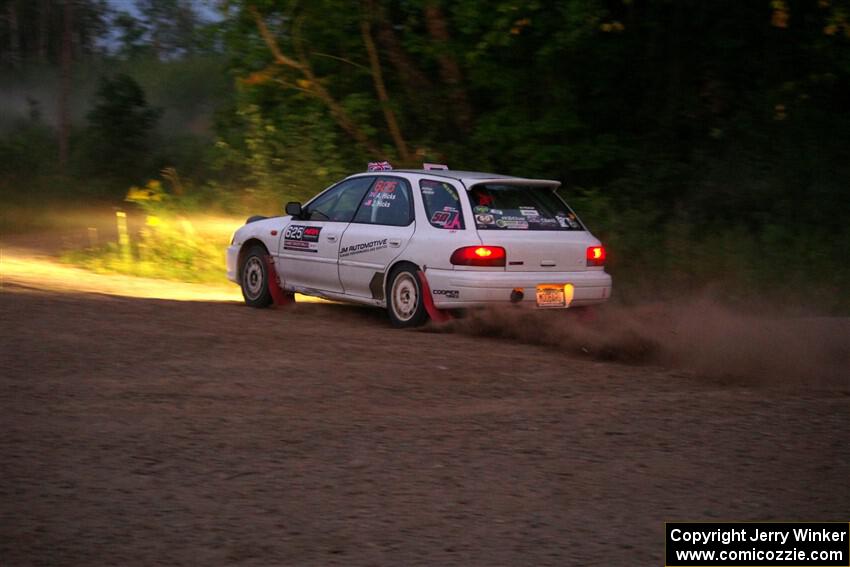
(699, 335)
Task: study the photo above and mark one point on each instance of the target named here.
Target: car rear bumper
(232, 257)
(461, 288)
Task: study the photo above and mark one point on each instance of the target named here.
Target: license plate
(553, 296)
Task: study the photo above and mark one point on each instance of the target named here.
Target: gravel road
(140, 432)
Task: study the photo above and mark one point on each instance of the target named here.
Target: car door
(378, 233)
(309, 247)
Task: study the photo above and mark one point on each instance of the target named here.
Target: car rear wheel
(404, 298)
(254, 278)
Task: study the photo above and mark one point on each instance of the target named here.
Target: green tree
(131, 35)
(120, 131)
(31, 30)
(172, 26)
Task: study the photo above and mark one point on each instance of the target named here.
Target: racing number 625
(294, 233)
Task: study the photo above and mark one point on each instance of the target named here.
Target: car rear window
(442, 204)
(520, 207)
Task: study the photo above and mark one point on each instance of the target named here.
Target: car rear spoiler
(517, 181)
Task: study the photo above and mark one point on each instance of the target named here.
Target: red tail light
(479, 256)
(595, 256)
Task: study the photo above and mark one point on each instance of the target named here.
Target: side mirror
(293, 208)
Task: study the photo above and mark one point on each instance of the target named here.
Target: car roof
(469, 178)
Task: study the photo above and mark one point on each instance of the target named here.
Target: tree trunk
(438, 29)
(314, 86)
(43, 27)
(65, 87)
(14, 35)
(381, 89)
(413, 80)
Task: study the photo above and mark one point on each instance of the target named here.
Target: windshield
(520, 207)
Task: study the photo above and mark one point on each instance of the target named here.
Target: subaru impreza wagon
(416, 241)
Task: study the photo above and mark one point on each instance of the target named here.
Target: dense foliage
(706, 142)
(120, 126)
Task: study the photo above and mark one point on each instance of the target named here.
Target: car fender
(267, 231)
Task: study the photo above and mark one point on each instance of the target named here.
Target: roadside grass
(160, 233)
(753, 268)
(167, 247)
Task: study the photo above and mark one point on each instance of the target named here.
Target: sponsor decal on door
(362, 247)
(301, 238)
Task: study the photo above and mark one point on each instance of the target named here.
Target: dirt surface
(142, 431)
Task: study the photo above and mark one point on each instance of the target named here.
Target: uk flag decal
(379, 166)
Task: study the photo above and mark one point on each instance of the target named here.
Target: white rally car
(422, 241)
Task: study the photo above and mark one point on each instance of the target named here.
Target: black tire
(405, 304)
(254, 277)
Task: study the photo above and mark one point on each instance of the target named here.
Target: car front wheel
(404, 300)
(254, 278)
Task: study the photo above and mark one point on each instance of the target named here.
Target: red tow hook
(280, 297)
(436, 315)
